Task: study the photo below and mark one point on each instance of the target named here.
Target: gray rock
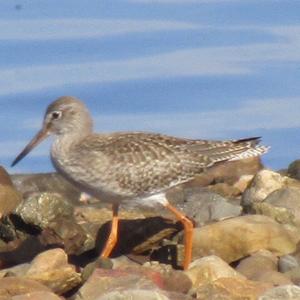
(287, 263)
(285, 292)
(205, 206)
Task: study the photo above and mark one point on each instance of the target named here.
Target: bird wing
(138, 162)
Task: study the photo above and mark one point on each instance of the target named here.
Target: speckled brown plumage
(134, 166)
(127, 165)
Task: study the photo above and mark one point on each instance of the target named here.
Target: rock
(175, 281)
(251, 265)
(52, 269)
(294, 275)
(53, 215)
(103, 281)
(285, 292)
(287, 263)
(238, 237)
(10, 198)
(46, 182)
(225, 189)
(203, 205)
(140, 294)
(36, 296)
(282, 205)
(231, 289)
(294, 169)
(243, 182)
(12, 286)
(231, 171)
(17, 271)
(66, 233)
(263, 184)
(208, 269)
(273, 277)
(41, 209)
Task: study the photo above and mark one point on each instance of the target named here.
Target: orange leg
(188, 234)
(113, 236)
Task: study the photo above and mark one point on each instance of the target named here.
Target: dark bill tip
(39, 137)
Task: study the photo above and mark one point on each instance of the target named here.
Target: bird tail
(251, 148)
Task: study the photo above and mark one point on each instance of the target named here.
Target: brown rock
(285, 292)
(208, 269)
(232, 289)
(140, 294)
(52, 269)
(10, 198)
(102, 281)
(263, 184)
(233, 170)
(225, 190)
(238, 237)
(172, 280)
(37, 296)
(284, 204)
(12, 286)
(251, 266)
(294, 275)
(273, 277)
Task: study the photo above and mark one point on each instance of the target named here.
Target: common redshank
(129, 166)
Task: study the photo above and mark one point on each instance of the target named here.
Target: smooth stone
(52, 269)
(204, 206)
(37, 296)
(285, 292)
(251, 265)
(10, 198)
(287, 263)
(172, 280)
(263, 184)
(142, 294)
(294, 275)
(210, 268)
(104, 281)
(18, 270)
(12, 286)
(286, 201)
(231, 171)
(273, 277)
(231, 289)
(235, 238)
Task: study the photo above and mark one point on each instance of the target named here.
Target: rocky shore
(246, 241)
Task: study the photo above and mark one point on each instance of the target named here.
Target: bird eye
(56, 115)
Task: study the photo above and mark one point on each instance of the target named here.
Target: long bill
(38, 138)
